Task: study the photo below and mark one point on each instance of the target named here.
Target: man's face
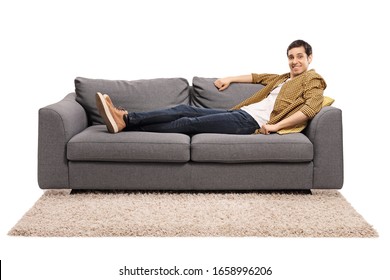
(298, 61)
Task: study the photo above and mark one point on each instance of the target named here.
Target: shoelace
(120, 108)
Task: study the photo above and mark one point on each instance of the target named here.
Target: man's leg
(135, 120)
(180, 119)
(227, 122)
(118, 119)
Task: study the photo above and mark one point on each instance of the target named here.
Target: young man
(286, 101)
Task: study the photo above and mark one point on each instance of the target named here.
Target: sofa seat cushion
(96, 144)
(226, 148)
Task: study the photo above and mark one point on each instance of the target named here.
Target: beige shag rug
(263, 214)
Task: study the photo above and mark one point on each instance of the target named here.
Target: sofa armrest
(325, 131)
(57, 124)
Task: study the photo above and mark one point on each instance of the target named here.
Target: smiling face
(298, 61)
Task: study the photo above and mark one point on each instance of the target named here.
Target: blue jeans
(192, 120)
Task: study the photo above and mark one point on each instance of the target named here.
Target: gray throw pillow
(134, 96)
(206, 95)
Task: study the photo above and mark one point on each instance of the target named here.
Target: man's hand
(268, 128)
(291, 121)
(222, 83)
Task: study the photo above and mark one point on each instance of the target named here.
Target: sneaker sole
(105, 113)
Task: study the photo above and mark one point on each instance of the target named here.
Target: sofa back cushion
(134, 96)
(206, 95)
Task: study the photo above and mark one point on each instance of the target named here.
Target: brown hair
(300, 43)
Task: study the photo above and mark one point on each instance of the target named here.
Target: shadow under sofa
(75, 151)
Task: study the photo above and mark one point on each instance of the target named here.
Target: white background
(46, 44)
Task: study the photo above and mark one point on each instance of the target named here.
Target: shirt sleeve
(313, 94)
(263, 79)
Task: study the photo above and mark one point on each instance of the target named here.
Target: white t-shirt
(261, 111)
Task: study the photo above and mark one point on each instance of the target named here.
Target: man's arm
(224, 83)
(294, 119)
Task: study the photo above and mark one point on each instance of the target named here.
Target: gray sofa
(75, 151)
